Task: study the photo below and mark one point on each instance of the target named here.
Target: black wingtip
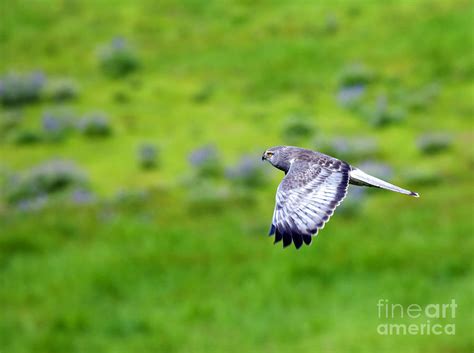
(286, 239)
(297, 240)
(414, 194)
(278, 237)
(272, 230)
(307, 239)
(290, 237)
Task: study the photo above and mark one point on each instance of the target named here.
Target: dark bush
(82, 196)
(18, 89)
(95, 125)
(354, 75)
(248, 172)
(148, 156)
(384, 114)
(9, 120)
(206, 162)
(204, 93)
(7, 176)
(57, 124)
(422, 177)
(25, 137)
(297, 127)
(348, 96)
(121, 97)
(432, 143)
(117, 59)
(34, 203)
(130, 198)
(421, 99)
(46, 178)
(61, 90)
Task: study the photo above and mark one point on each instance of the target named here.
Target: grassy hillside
(133, 205)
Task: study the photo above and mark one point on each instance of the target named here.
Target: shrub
(422, 177)
(248, 172)
(421, 99)
(56, 124)
(95, 125)
(34, 203)
(297, 127)
(130, 198)
(206, 161)
(432, 143)
(117, 58)
(7, 177)
(61, 90)
(121, 97)
(18, 89)
(348, 96)
(9, 120)
(147, 156)
(354, 75)
(204, 93)
(385, 114)
(82, 196)
(25, 137)
(46, 178)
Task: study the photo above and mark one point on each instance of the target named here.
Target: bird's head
(278, 157)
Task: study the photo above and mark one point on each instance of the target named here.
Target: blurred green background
(133, 204)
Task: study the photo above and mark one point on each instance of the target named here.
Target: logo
(431, 319)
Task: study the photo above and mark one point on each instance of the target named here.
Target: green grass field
(168, 260)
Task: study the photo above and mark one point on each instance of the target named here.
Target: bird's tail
(358, 177)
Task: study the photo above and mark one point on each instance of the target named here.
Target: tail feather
(358, 177)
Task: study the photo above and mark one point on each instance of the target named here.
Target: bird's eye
(269, 154)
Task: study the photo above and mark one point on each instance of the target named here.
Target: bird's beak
(264, 156)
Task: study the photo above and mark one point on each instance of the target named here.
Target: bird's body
(314, 185)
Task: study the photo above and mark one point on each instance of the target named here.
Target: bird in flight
(313, 186)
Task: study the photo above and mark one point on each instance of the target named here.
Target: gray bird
(313, 186)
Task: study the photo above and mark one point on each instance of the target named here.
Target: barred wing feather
(306, 199)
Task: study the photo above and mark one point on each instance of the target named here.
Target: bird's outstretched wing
(307, 197)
